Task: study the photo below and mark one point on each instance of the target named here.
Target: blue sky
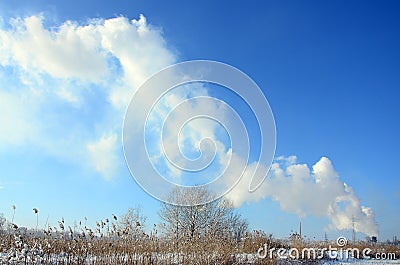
(329, 71)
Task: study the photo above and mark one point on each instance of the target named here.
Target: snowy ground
(174, 258)
(361, 262)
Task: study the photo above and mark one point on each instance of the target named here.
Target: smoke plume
(318, 191)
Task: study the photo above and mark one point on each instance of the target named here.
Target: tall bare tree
(216, 219)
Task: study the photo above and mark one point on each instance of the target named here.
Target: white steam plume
(302, 191)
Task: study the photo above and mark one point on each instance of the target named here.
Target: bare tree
(216, 219)
(132, 223)
(237, 226)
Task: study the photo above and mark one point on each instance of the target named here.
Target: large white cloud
(64, 88)
(318, 192)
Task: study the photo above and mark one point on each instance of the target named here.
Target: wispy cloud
(104, 156)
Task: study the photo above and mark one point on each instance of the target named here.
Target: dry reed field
(126, 241)
(212, 233)
(122, 242)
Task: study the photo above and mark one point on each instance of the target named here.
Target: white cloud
(16, 128)
(140, 49)
(184, 137)
(64, 89)
(319, 192)
(71, 51)
(103, 155)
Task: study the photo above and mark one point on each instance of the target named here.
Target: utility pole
(300, 230)
(354, 230)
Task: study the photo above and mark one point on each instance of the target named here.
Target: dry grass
(115, 242)
(125, 241)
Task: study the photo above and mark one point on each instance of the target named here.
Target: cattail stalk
(14, 207)
(35, 210)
